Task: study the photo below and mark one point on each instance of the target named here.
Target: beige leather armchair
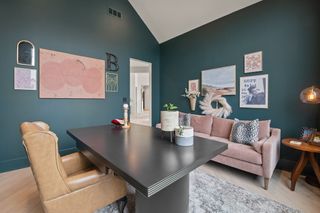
(70, 183)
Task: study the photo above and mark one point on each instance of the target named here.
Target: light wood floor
(18, 191)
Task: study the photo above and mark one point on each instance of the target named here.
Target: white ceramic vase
(169, 120)
(184, 136)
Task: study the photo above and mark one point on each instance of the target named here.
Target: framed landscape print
(221, 81)
(193, 85)
(254, 91)
(253, 62)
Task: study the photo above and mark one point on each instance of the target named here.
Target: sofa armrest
(158, 125)
(271, 152)
(75, 162)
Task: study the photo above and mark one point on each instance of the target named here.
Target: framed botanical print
(111, 82)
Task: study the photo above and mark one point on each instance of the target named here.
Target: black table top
(143, 157)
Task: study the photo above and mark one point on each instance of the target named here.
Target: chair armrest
(75, 162)
(90, 198)
(84, 179)
(271, 152)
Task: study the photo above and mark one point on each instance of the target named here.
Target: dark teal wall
(73, 26)
(288, 33)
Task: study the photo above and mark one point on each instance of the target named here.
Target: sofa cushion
(264, 129)
(237, 151)
(202, 135)
(221, 127)
(243, 152)
(201, 123)
(245, 132)
(257, 146)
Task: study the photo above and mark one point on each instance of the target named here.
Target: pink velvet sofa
(260, 158)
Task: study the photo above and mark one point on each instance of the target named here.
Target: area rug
(210, 194)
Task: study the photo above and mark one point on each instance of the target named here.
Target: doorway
(140, 92)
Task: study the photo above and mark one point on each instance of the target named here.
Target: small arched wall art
(25, 53)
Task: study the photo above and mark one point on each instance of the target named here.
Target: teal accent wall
(288, 33)
(78, 27)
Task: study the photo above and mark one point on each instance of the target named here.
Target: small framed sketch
(25, 53)
(254, 91)
(193, 85)
(307, 133)
(253, 62)
(111, 82)
(25, 79)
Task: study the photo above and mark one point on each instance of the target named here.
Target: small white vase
(184, 137)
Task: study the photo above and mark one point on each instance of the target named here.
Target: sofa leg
(266, 183)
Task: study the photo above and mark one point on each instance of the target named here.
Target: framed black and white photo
(254, 91)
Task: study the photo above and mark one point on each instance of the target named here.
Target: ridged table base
(172, 199)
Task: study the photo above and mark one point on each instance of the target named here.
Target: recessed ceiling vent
(114, 12)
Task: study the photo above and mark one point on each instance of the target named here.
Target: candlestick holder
(125, 114)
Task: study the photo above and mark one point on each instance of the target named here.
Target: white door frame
(150, 81)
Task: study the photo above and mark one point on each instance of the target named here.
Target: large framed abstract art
(64, 75)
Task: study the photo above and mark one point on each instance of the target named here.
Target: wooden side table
(307, 154)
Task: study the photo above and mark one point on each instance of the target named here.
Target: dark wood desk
(158, 169)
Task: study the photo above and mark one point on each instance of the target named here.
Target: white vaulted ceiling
(167, 19)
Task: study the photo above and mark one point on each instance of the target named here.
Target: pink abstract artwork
(64, 75)
(253, 62)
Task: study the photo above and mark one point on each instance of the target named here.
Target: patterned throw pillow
(245, 132)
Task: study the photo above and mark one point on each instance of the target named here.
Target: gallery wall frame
(254, 91)
(193, 85)
(221, 80)
(112, 82)
(253, 62)
(25, 79)
(64, 75)
(25, 53)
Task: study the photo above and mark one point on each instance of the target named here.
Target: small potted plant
(169, 117)
(184, 136)
(192, 96)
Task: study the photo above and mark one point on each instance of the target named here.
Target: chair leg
(122, 203)
(266, 183)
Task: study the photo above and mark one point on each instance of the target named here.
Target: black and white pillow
(245, 132)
